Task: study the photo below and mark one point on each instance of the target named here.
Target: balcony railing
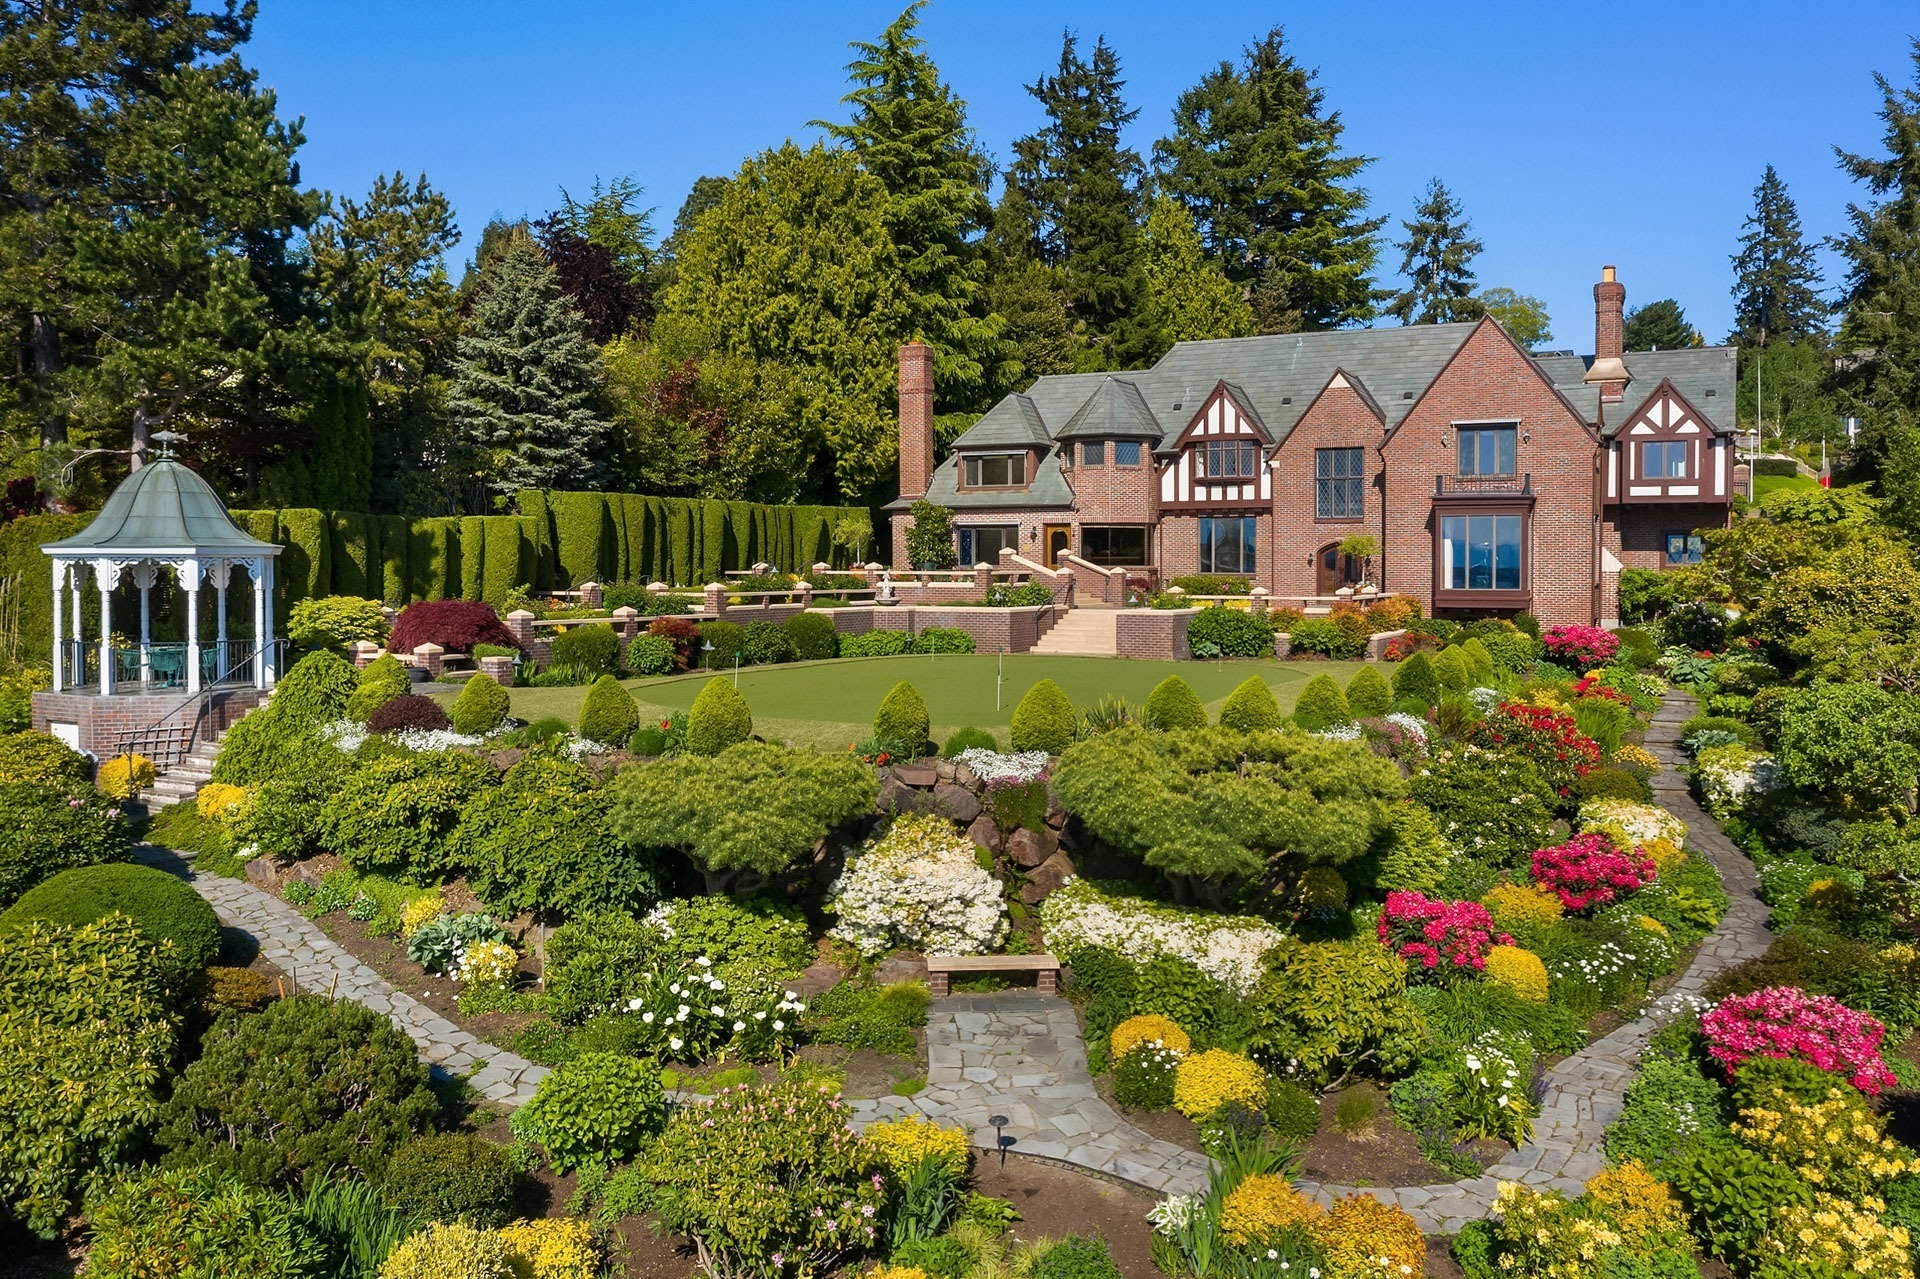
(1483, 485)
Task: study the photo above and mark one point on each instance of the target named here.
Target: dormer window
(1664, 460)
(1228, 459)
(996, 470)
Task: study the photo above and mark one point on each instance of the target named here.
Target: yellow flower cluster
(1207, 1081)
(1849, 1238)
(1837, 1144)
(1631, 756)
(420, 911)
(896, 1272)
(222, 802)
(449, 1250)
(1651, 924)
(1523, 905)
(1638, 1204)
(488, 963)
(1543, 1238)
(1519, 970)
(1265, 1204)
(1366, 1239)
(551, 1248)
(1664, 853)
(903, 1143)
(123, 775)
(1149, 1028)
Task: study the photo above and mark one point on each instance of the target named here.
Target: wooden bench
(940, 970)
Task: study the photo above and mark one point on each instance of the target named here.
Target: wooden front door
(1334, 570)
(1059, 542)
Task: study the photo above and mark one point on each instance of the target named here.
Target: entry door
(1335, 570)
(1059, 542)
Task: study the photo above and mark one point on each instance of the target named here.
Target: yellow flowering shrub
(1664, 853)
(1539, 1234)
(1263, 1205)
(551, 1248)
(1519, 970)
(1636, 1203)
(1651, 924)
(1849, 1238)
(897, 1272)
(1147, 1029)
(123, 775)
(419, 911)
(222, 802)
(449, 1250)
(1207, 1081)
(1631, 756)
(1523, 905)
(1837, 1144)
(1629, 824)
(903, 1143)
(487, 963)
(1366, 1239)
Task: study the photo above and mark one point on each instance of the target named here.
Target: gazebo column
(222, 570)
(78, 649)
(266, 634)
(59, 637)
(105, 577)
(189, 571)
(257, 570)
(144, 575)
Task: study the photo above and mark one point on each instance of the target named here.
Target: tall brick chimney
(916, 419)
(1609, 336)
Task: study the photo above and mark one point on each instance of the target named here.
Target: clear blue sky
(1575, 135)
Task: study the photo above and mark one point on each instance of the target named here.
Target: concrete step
(1082, 633)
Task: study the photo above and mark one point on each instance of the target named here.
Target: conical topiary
(719, 718)
(1172, 705)
(1368, 694)
(1479, 660)
(608, 716)
(481, 706)
(1044, 720)
(1250, 708)
(902, 717)
(383, 680)
(1321, 704)
(1452, 670)
(1415, 681)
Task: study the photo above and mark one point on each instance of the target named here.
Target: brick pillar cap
(714, 586)
(585, 585)
(520, 614)
(876, 567)
(1258, 590)
(365, 646)
(1176, 590)
(626, 611)
(820, 567)
(427, 650)
(657, 588)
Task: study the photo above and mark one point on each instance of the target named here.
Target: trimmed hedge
(164, 907)
(608, 715)
(1172, 705)
(481, 706)
(812, 636)
(1321, 704)
(719, 718)
(1251, 707)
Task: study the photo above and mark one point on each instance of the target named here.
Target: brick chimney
(1609, 330)
(916, 419)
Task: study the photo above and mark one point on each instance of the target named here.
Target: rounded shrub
(383, 680)
(594, 646)
(718, 718)
(454, 1176)
(409, 710)
(1147, 1028)
(164, 906)
(650, 655)
(1613, 783)
(1451, 669)
(902, 716)
(1229, 632)
(1292, 1111)
(396, 813)
(967, 739)
(124, 776)
(336, 622)
(719, 644)
(450, 1250)
(1207, 1081)
(44, 759)
(310, 1084)
(1480, 661)
(608, 715)
(1321, 705)
(481, 706)
(1415, 681)
(1173, 705)
(198, 1221)
(598, 1109)
(764, 644)
(875, 644)
(1143, 1079)
(1044, 720)
(1250, 708)
(45, 829)
(1368, 694)
(812, 636)
(1518, 970)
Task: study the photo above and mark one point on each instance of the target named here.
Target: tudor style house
(1495, 479)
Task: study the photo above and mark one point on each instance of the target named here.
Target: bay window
(1481, 552)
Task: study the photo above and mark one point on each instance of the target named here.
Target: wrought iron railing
(1479, 485)
(165, 740)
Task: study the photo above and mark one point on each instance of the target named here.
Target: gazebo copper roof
(163, 508)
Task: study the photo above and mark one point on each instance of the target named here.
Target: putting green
(829, 704)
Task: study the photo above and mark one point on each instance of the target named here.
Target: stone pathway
(315, 962)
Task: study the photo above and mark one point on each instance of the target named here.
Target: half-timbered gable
(1220, 460)
(1669, 451)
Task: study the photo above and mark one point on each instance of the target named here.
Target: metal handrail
(145, 736)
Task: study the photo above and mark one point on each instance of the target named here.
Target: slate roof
(1049, 488)
(164, 507)
(1012, 423)
(1115, 409)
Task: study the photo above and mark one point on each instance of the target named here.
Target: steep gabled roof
(1115, 409)
(1704, 376)
(1012, 423)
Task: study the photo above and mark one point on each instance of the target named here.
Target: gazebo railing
(165, 740)
(165, 665)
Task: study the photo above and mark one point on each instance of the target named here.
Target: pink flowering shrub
(1588, 870)
(1441, 937)
(1583, 645)
(1785, 1021)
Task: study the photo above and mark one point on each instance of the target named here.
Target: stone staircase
(1086, 631)
(184, 779)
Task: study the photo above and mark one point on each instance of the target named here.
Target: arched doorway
(1059, 542)
(1332, 570)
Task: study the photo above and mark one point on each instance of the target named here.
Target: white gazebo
(162, 519)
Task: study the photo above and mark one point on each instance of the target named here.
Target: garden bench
(940, 970)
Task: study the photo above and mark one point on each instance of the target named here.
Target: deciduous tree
(1523, 317)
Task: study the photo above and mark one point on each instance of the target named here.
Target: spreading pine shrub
(1173, 705)
(1044, 720)
(383, 680)
(719, 718)
(455, 625)
(314, 692)
(608, 715)
(164, 906)
(198, 1221)
(1368, 694)
(408, 711)
(395, 814)
(337, 622)
(902, 716)
(1321, 704)
(1250, 708)
(481, 706)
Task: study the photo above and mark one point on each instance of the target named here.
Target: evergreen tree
(1256, 156)
(910, 131)
(1075, 186)
(1776, 285)
(602, 250)
(1188, 299)
(1879, 379)
(1523, 317)
(1659, 326)
(527, 398)
(1437, 259)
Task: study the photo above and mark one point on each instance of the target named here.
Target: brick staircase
(1086, 631)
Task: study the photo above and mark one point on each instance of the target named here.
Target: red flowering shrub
(680, 633)
(1442, 937)
(409, 710)
(1401, 647)
(455, 625)
(1590, 686)
(1588, 870)
(1548, 737)
(1583, 646)
(1785, 1021)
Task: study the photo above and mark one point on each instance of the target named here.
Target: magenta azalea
(1588, 870)
(1440, 936)
(1785, 1021)
(1583, 645)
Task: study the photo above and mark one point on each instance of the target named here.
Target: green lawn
(829, 704)
(1765, 484)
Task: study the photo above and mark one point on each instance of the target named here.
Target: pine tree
(1078, 188)
(526, 395)
(910, 131)
(1776, 284)
(1437, 259)
(1659, 326)
(1256, 156)
(1188, 298)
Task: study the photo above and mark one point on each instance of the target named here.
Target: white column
(144, 575)
(59, 636)
(222, 570)
(256, 569)
(191, 581)
(79, 648)
(266, 635)
(104, 578)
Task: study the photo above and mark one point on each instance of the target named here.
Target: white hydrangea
(1228, 948)
(919, 885)
(1021, 766)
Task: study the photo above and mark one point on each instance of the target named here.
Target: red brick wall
(1111, 494)
(1339, 418)
(1179, 537)
(1489, 379)
(103, 720)
(1642, 529)
(1153, 634)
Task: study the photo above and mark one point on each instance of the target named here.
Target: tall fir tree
(1076, 188)
(1878, 380)
(602, 250)
(1437, 259)
(527, 397)
(1256, 156)
(1776, 283)
(910, 130)
(1188, 298)
(1659, 326)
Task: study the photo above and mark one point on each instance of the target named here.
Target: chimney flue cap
(1606, 275)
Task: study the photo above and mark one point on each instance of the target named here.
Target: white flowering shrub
(1349, 732)
(919, 886)
(1020, 766)
(691, 1015)
(1228, 948)
(1487, 1087)
(1733, 776)
(1484, 699)
(347, 737)
(1629, 823)
(1412, 725)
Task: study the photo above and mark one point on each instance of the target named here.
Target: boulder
(957, 802)
(1044, 878)
(984, 833)
(261, 873)
(923, 776)
(964, 776)
(944, 770)
(1030, 848)
(896, 798)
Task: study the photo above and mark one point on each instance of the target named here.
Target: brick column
(591, 595)
(428, 658)
(626, 621)
(916, 419)
(364, 652)
(520, 626)
(1259, 595)
(715, 594)
(982, 579)
(803, 594)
